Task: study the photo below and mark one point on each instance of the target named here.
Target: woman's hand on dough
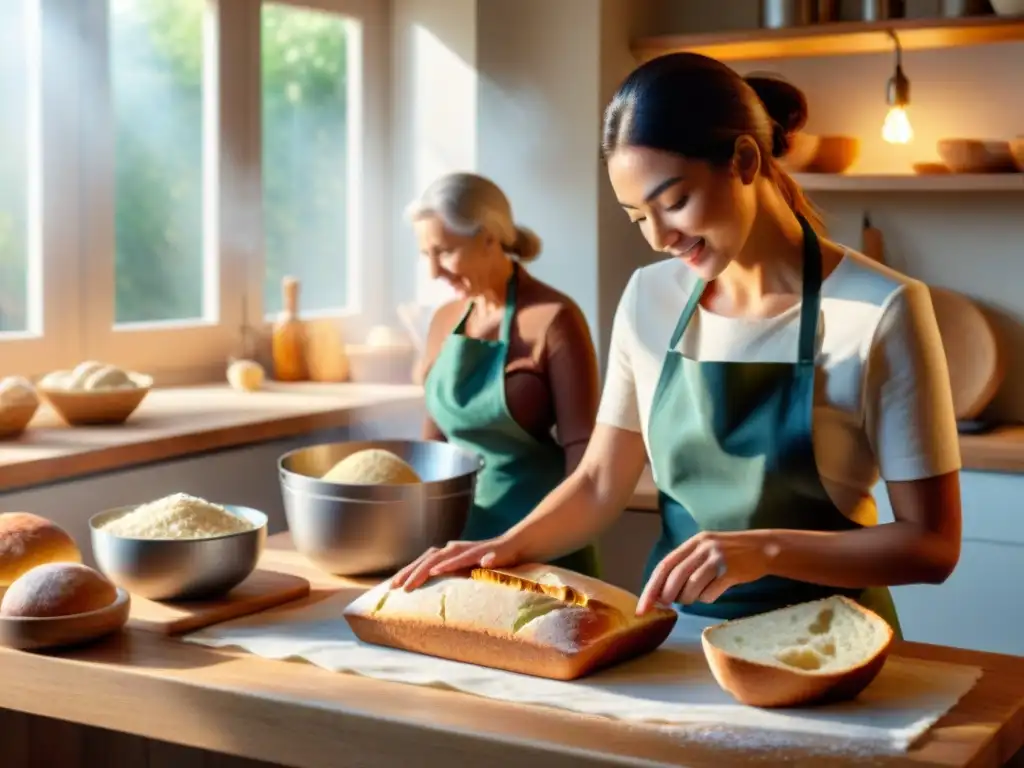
(454, 556)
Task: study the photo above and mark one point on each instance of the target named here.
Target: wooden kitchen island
(140, 699)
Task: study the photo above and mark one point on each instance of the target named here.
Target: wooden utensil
(262, 590)
(325, 352)
(976, 367)
(289, 338)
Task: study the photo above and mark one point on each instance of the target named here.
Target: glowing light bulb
(896, 129)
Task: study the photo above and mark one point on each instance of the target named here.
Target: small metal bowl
(178, 569)
(351, 530)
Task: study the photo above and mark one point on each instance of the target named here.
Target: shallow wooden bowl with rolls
(532, 619)
(81, 408)
(819, 652)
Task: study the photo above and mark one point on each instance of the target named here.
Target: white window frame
(52, 338)
(74, 214)
(369, 131)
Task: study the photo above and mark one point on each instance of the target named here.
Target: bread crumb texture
(178, 516)
(822, 637)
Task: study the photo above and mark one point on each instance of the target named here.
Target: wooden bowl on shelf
(14, 419)
(930, 169)
(976, 155)
(80, 408)
(1017, 152)
(835, 154)
(802, 149)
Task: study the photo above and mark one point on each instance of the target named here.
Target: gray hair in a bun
(467, 203)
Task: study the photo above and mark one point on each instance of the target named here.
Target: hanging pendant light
(897, 129)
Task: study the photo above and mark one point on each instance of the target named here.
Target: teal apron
(731, 450)
(465, 396)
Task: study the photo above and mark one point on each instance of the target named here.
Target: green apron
(465, 396)
(731, 450)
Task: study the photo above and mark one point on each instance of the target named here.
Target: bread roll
(57, 589)
(27, 540)
(812, 653)
(533, 619)
(17, 391)
(373, 466)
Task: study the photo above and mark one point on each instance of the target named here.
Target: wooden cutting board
(976, 367)
(263, 589)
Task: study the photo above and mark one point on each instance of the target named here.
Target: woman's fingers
(699, 579)
(400, 578)
(466, 559)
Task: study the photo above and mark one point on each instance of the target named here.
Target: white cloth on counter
(671, 687)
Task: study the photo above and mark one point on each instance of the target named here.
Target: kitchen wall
(970, 242)
(523, 85)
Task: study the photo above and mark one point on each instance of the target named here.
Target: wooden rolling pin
(289, 336)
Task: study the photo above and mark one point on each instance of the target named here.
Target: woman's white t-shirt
(883, 404)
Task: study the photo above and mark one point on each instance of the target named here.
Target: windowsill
(176, 422)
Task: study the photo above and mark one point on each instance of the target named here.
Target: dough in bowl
(28, 540)
(58, 589)
(373, 466)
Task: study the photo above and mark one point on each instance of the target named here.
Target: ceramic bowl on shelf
(1008, 7)
(930, 169)
(178, 569)
(835, 154)
(80, 407)
(1017, 152)
(976, 155)
(802, 149)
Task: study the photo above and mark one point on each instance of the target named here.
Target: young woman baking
(508, 360)
(769, 375)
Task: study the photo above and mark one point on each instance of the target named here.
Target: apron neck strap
(811, 304)
(809, 307)
(510, 304)
(510, 308)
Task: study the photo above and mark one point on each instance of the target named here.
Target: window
(167, 162)
(156, 73)
(305, 97)
(16, 299)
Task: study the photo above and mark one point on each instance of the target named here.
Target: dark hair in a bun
(786, 106)
(697, 107)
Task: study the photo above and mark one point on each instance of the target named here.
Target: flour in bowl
(178, 516)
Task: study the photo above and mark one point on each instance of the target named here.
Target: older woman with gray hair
(509, 370)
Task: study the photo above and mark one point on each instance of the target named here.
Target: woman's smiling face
(688, 208)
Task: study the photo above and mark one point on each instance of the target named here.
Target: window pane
(14, 168)
(157, 77)
(305, 145)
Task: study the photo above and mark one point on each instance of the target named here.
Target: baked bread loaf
(817, 652)
(57, 589)
(533, 619)
(28, 540)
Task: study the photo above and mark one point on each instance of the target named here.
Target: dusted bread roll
(816, 652)
(27, 540)
(108, 377)
(373, 466)
(17, 390)
(533, 619)
(57, 589)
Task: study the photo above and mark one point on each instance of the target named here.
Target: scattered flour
(178, 516)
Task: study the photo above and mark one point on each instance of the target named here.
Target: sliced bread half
(817, 652)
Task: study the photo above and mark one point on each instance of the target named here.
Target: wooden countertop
(181, 421)
(299, 715)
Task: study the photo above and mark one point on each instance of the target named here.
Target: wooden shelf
(944, 182)
(838, 39)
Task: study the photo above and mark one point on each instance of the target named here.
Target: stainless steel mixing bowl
(178, 569)
(351, 530)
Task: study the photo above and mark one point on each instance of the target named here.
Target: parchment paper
(671, 687)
